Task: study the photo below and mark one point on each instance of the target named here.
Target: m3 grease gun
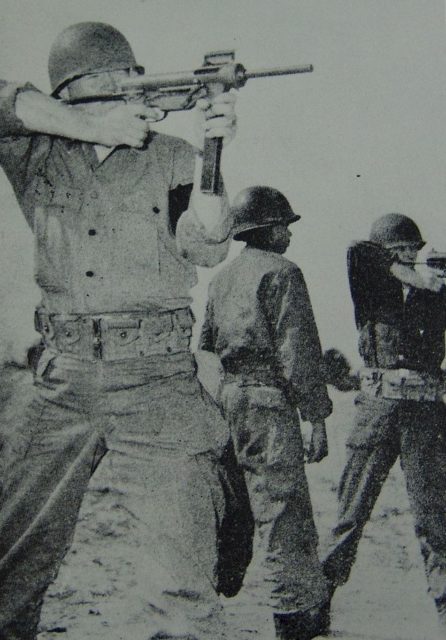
(180, 91)
(436, 260)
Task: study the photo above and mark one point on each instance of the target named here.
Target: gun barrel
(279, 71)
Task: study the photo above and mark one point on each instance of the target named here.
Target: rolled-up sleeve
(20, 149)
(10, 124)
(195, 243)
(297, 343)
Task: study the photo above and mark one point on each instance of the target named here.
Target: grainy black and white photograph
(222, 320)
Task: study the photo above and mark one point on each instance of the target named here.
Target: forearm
(212, 211)
(430, 279)
(43, 114)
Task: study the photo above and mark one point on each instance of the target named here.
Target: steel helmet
(395, 228)
(260, 206)
(88, 47)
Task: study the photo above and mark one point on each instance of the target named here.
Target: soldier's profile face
(93, 84)
(406, 252)
(280, 238)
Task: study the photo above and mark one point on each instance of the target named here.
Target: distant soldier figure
(401, 318)
(259, 321)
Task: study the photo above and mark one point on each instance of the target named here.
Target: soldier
(119, 227)
(401, 317)
(259, 321)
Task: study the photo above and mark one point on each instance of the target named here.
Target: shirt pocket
(56, 219)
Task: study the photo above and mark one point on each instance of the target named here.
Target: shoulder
(280, 274)
(269, 261)
(222, 279)
(369, 251)
(283, 268)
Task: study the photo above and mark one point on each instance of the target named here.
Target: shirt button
(156, 209)
(89, 274)
(91, 232)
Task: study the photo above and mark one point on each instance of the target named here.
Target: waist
(116, 336)
(402, 384)
(252, 373)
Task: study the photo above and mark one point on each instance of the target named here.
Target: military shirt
(259, 312)
(397, 330)
(116, 235)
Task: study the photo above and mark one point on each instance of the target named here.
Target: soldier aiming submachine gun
(180, 91)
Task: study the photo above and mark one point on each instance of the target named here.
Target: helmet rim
(396, 228)
(86, 48)
(248, 227)
(260, 206)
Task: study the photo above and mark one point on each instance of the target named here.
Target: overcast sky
(361, 136)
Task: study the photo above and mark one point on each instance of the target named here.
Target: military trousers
(147, 428)
(385, 429)
(287, 575)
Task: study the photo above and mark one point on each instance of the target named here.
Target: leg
(151, 516)
(423, 460)
(267, 438)
(47, 461)
(371, 454)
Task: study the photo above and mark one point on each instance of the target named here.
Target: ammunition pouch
(403, 384)
(116, 336)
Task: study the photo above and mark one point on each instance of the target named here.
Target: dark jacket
(259, 316)
(395, 330)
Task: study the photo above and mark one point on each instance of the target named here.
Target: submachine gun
(180, 91)
(437, 260)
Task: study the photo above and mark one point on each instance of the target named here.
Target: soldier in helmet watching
(119, 227)
(259, 321)
(401, 317)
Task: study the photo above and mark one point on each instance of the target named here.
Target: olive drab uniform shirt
(259, 315)
(116, 235)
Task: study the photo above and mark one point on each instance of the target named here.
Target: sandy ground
(385, 599)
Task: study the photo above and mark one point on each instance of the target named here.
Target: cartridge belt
(247, 373)
(116, 336)
(402, 384)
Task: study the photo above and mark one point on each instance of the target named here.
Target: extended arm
(429, 279)
(109, 125)
(203, 232)
(214, 119)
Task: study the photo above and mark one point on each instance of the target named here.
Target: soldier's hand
(318, 447)
(215, 118)
(423, 277)
(125, 124)
(434, 279)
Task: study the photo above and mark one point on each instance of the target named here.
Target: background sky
(363, 135)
